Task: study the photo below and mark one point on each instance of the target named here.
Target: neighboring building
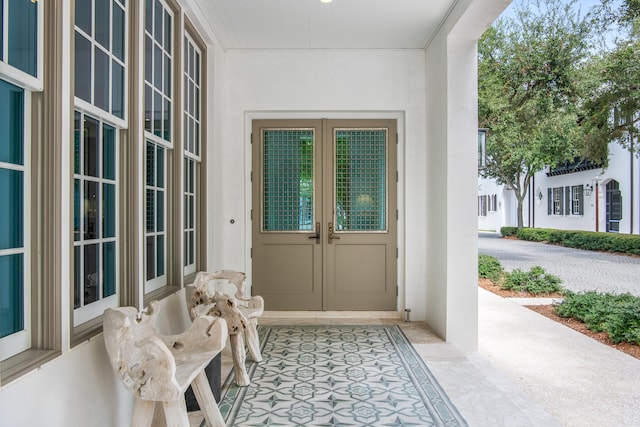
(576, 196)
(126, 165)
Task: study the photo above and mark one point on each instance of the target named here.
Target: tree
(529, 73)
(611, 109)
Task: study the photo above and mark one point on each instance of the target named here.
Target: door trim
(398, 116)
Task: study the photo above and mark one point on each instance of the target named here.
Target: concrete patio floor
(528, 371)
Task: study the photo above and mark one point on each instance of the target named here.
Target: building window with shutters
(556, 201)
(577, 200)
(482, 205)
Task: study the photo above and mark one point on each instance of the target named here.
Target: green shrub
(489, 268)
(617, 315)
(535, 281)
(534, 234)
(508, 231)
(589, 240)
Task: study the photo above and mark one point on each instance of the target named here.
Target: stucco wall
(319, 84)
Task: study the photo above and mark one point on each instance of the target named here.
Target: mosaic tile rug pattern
(337, 376)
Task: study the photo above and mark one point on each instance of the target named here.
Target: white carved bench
(241, 314)
(157, 368)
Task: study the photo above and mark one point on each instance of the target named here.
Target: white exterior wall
(452, 288)
(622, 167)
(323, 84)
(619, 169)
(436, 159)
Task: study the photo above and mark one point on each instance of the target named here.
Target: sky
(584, 5)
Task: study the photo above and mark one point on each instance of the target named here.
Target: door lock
(330, 235)
(317, 234)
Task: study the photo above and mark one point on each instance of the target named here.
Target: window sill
(18, 365)
(160, 294)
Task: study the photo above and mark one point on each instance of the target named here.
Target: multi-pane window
(361, 179)
(189, 259)
(156, 230)
(19, 35)
(158, 101)
(14, 220)
(192, 86)
(482, 205)
(99, 43)
(577, 205)
(95, 151)
(158, 95)
(557, 205)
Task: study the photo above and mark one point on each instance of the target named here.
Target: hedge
(589, 240)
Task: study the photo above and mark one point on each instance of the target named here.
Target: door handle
(317, 234)
(330, 235)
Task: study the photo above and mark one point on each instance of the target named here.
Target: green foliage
(528, 91)
(617, 315)
(508, 231)
(589, 240)
(610, 82)
(534, 234)
(490, 268)
(535, 281)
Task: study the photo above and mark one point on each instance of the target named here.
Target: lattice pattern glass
(288, 179)
(361, 179)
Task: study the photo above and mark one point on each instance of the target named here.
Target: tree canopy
(529, 90)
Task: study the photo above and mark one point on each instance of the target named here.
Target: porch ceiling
(310, 24)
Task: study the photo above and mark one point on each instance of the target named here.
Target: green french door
(324, 214)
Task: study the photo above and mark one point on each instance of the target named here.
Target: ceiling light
(326, 1)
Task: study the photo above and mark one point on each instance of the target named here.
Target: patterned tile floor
(480, 393)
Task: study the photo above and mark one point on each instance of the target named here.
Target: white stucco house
(126, 165)
(578, 196)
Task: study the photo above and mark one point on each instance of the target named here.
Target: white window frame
(94, 309)
(21, 340)
(557, 193)
(150, 135)
(575, 199)
(88, 107)
(12, 74)
(158, 281)
(482, 205)
(191, 154)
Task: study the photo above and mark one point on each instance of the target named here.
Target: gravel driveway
(579, 270)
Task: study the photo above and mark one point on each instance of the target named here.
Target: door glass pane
(360, 179)
(288, 179)
(11, 294)
(11, 123)
(23, 35)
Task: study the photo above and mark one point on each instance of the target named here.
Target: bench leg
(239, 355)
(253, 342)
(142, 413)
(206, 401)
(175, 412)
